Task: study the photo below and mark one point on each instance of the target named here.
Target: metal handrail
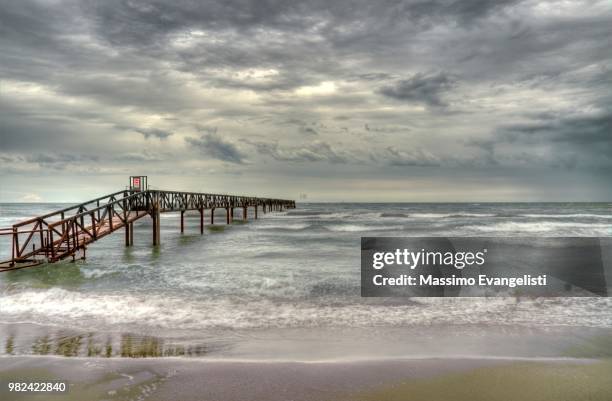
(21, 231)
(133, 196)
(101, 207)
(32, 220)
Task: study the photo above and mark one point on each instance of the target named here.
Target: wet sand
(200, 379)
(517, 363)
(525, 381)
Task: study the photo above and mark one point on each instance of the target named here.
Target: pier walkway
(67, 232)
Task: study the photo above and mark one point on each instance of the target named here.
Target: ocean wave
(94, 273)
(110, 311)
(358, 228)
(317, 216)
(306, 213)
(288, 226)
(556, 227)
(563, 216)
(449, 215)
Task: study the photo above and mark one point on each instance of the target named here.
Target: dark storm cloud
(457, 11)
(147, 133)
(153, 133)
(567, 140)
(143, 22)
(590, 130)
(584, 139)
(304, 127)
(303, 41)
(206, 128)
(312, 82)
(421, 88)
(60, 161)
(309, 131)
(214, 146)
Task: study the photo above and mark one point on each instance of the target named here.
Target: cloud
(153, 133)
(143, 156)
(206, 128)
(385, 129)
(422, 88)
(316, 151)
(589, 129)
(309, 83)
(214, 146)
(60, 161)
(31, 197)
(304, 127)
(553, 139)
(415, 157)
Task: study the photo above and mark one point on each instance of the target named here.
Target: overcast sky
(338, 100)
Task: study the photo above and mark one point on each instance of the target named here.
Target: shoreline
(322, 345)
(359, 360)
(330, 361)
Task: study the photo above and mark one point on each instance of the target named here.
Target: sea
(287, 287)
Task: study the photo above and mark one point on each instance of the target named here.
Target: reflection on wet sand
(10, 344)
(148, 346)
(91, 345)
(42, 346)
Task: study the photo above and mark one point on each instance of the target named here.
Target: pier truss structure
(68, 232)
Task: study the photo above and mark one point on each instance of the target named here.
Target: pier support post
(14, 247)
(201, 221)
(244, 213)
(156, 225)
(127, 234)
(227, 214)
(182, 221)
(255, 212)
(131, 233)
(212, 216)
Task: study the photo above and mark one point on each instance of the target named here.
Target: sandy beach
(197, 379)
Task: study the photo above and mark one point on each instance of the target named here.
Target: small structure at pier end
(64, 233)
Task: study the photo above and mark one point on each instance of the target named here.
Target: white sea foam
(449, 215)
(556, 227)
(568, 216)
(358, 228)
(63, 307)
(287, 226)
(96, 273)
(324, 217)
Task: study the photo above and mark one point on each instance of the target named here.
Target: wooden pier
(67, 233)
